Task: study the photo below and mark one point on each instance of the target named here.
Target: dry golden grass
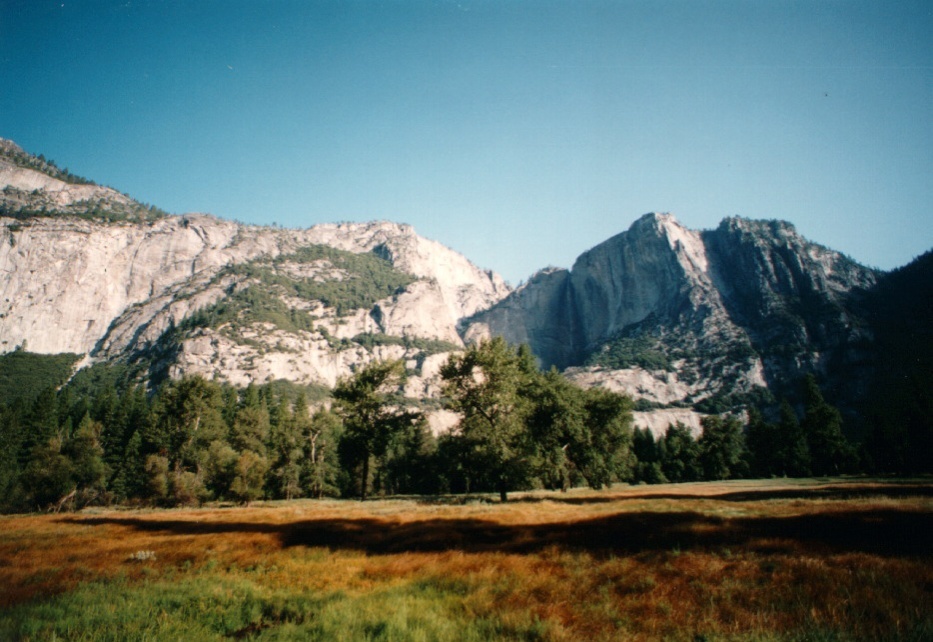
(735, 560)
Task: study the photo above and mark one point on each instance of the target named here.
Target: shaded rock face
(784, 290)
(749, 304)
(539, 313)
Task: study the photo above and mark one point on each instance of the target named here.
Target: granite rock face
(87, 270)
(682, 316)
(682, 320)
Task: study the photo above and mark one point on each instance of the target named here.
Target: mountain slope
(92, 281)
(685, 317)
(683, 320)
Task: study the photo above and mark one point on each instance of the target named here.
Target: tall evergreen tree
(320, 435)
(763, 440)
(646, 451)
(830, 453)
(793, 453)
(11, 440)
(48, 476)
(187, 419)
(88, 471)
(41, 423)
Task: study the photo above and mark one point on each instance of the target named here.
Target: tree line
(196, 440)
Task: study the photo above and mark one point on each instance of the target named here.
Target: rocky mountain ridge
(79, 280)
(685, 321)
(683, 317)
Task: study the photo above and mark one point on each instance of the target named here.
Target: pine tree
(129, 480)
(41, 424)
(48, 476)
(830, 453)
(285, 453)
(321, 434)
(646, 451)
(187, 419)
(88, 471)
(793, 452)
(11, 439)
(763, 442)
(251, 429)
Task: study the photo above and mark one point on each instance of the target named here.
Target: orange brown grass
(730, 560)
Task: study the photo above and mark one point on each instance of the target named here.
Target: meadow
(843, 559)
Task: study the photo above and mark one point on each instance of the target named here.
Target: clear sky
(519, 132)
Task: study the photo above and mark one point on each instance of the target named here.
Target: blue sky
(520, 133)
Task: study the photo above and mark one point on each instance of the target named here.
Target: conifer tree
(88, 471)
(321, 434)
(830, 453)
(646, 451)
(187, 419)
(764, 447)
(11, 439)
(48, 477)
(794, 453)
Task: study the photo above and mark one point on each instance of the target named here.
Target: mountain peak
(661, 219)
(712, 302)
(32, 186)
(774, 227)
(9, 148)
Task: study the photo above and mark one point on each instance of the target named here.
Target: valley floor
(842, 559)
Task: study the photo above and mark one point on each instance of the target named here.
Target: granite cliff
(679, 317)
(87, 270)
(685, 321)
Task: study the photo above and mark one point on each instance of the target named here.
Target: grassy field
(758, 560)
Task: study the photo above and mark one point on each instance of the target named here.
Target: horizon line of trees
(196, 440)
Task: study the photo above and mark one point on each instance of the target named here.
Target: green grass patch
(223, 606)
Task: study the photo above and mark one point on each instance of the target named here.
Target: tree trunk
(364, 482)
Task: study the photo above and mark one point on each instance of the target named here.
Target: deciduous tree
(372, 411)
(484, 385)
(721, 447)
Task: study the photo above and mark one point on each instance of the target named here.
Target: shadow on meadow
(890, 490)
(886, 532)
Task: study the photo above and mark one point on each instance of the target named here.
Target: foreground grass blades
(771, 560)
